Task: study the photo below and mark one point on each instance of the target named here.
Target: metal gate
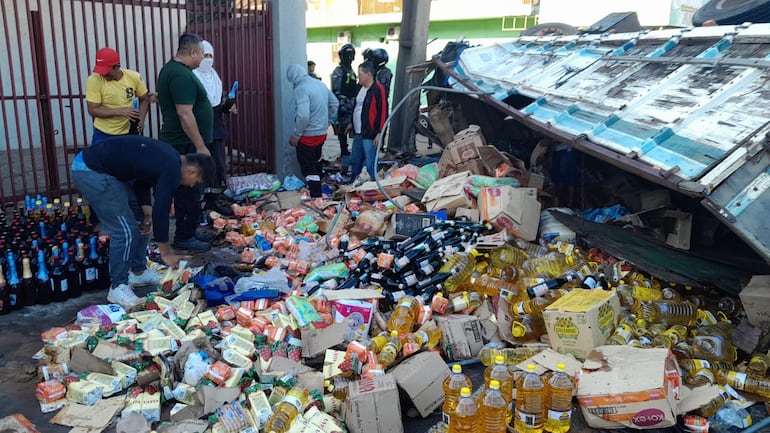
(50, 47)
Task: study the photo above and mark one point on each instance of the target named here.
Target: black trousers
(309, 159)
(187, 203)
(217, 156)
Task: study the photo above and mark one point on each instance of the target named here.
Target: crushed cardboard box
(372, 406)
(422, 376)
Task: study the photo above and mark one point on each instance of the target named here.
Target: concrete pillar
(412, 49)
(289, 47)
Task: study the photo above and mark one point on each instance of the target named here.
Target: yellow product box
(244, 346)
(202, 319)
(158, 345)
(581, 320)
(236, 358)
(184, 393)
(185, 310)
(242, 332)
(172, 330)
(259, 408)
(84, 392)
(235, 377)
(126, 373)
(147, 405)
(182, 297)
(164, 303)
(143, 315)
(110, 384)
(322, 420)
(195, 333)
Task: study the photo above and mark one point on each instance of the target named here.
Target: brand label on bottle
(529, 420)
(737, 380)
(539, 290)
(406, 303)
(557, 419)
(12, 299)
(91, 274)
(623, 332)
(520, 309)
(445, 417)
(460, 303)
(294, 401)
(410, 279)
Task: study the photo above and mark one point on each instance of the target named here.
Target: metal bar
(13, 90)
(81, 77)
(65, 151)
(41, 98)
(48, 139)
(747, 63)
(580, 142)
(26, 107)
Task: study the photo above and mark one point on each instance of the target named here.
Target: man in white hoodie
(314, 110)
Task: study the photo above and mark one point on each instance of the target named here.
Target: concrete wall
(289, 41)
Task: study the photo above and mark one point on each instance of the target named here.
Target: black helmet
(367, 54)
(347, 53)
(379, 57)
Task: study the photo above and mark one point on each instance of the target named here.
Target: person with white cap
(117, 98)
(221, 104)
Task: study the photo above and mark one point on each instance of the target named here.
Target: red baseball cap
(106, 58)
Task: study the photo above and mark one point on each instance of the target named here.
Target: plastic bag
(292, 183)
(427, 175)
(195, 368)
(473, 184)
(370, 223)
(261, 182)
(410, 170)
(272, 279)
(327, 272)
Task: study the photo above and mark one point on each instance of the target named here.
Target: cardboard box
(369, 191)
(472, 215)
(447, 193)
(461, 336)
(372, 406)
(421, 377)
(447, 166)
(581, 320)
(405, 225)
(288, 199)
(624, 386)
(464, 149)
(755, 298)
(515, 209)
(677, 228)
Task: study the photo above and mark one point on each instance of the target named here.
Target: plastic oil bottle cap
(518, 329)
(457, 368)
(465, 392)
(560, 367)
(394, 333)
(494, 384)
(531, 368)
(499, 359)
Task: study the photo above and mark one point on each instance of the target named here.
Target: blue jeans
(362, 156)
(115, 203)
(100, 136)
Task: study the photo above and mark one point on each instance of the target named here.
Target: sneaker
(124, 296)
(146, 278)
(192, 244)
(205, 235)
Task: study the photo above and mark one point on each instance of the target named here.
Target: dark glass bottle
(28, 286)
(43, 281)
(59, 285)
(5, 294)
(72, 272)
(103, 265)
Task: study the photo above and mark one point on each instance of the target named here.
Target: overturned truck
(688, 109)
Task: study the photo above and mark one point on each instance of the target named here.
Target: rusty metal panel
(51, 44)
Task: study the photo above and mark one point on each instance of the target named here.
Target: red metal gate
(51, 44)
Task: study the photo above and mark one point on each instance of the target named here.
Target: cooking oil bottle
(426, 336)
(507, 255)
(492, 286)
(378, 342)
(291, 405)
(464, 419)
(499, 371)
(669, 312)
(404, 315)
(531, 306)
(670, 337)
(460, 266)
(745, 382)
(452, 386)
(558, 401)
(703, 376)
(493, 410)
(527, 328)
(758, 364)
(691, 366)
(714, 348)
(390, 351)
(530, 392)
(488, 353)
(554, 263)
(711, 408)
(532, 249)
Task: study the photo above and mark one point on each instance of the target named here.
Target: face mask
(206, 65)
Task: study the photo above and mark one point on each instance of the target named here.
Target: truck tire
(551, 29)
(732, 12)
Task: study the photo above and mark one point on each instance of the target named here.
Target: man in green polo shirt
(188, 123)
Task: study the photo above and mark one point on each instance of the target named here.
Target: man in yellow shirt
(117, 98)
